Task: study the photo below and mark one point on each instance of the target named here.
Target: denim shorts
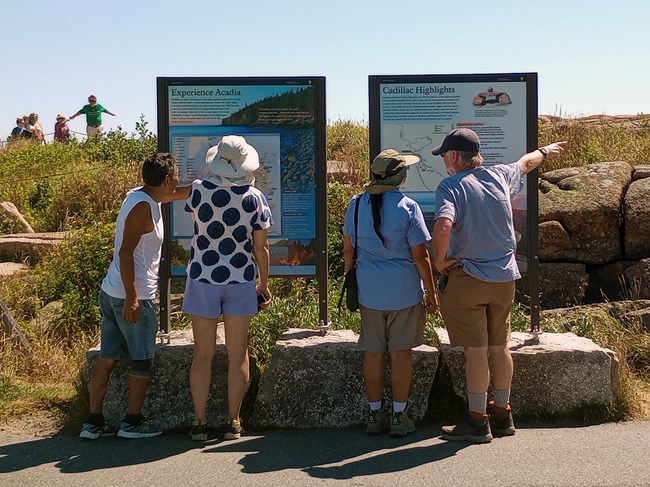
(123, 340)
(213, 300)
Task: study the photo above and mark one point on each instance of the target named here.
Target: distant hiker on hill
(93, 112)
(61, 130)
(19, 131)
(35, 128)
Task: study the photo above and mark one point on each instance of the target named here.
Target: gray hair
(470, 160)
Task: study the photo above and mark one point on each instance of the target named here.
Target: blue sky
(592, 57)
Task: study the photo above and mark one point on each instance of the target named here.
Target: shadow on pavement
(325, 454)
(73, 455)
(314, 451)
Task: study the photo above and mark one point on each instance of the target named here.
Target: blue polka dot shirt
(224, 221)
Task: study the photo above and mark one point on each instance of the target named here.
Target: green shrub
(593, 152)
(73, 272)
(295, 304)
(347, 142)
(338, 197)
(68, 186)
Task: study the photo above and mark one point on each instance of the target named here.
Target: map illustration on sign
(267, 177)
(418, 138)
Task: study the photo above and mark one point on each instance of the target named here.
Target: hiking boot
(473, 430)
(144, 429)
(377, 420)
(234, 430)
(401, 423)
(90, 431)
(199, 431)
(501, 421)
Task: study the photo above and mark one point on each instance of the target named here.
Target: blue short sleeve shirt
(387, 276)
(478, 204)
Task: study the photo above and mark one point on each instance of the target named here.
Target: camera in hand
(261, 299)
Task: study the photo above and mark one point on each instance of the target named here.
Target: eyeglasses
(92, 101)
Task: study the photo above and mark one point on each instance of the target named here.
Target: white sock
(398, 407)
(374, 405)
(477, 402)
(501, 398)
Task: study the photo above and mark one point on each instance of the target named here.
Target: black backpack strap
(356, 238)
(356, 229)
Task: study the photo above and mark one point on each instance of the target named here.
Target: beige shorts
(400, 329)
(94, 131)
(476, 313)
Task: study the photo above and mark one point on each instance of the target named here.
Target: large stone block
(169, 401)
(637, 220)
(607, 282)
(316, 381)
(555, 374)
(580, 212)
(19, 246)
(562, 284)
(637, 278)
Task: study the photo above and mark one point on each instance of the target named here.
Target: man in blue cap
(474, 247)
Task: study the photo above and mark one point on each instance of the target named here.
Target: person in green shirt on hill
(93, 112)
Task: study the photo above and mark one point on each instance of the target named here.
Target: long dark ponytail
(376, 202)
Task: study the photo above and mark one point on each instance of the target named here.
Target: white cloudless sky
(591, 56)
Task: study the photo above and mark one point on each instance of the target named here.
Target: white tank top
(146, 255)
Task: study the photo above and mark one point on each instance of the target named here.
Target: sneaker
(234, 430)
(401, 423)
(144, 429)
(377, 420)
(473, 430)
(199, 430)
(91, 432)
(501, 421)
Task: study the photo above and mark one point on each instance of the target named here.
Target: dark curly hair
(156, 167)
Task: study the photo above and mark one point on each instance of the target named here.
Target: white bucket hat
(232, 158)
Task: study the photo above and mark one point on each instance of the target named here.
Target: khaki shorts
(476, 313)
(400, 329)
(94, 131)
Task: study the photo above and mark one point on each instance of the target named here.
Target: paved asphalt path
(614, 454)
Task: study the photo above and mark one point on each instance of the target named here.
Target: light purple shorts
(213, 300)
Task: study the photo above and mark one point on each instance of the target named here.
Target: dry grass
(43, 379)
(45, 382)
(597, 139)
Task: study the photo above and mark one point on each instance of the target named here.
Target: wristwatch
(543, 151)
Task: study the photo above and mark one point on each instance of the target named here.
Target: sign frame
(318, 181)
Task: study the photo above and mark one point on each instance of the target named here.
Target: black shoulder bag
(350, 288)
